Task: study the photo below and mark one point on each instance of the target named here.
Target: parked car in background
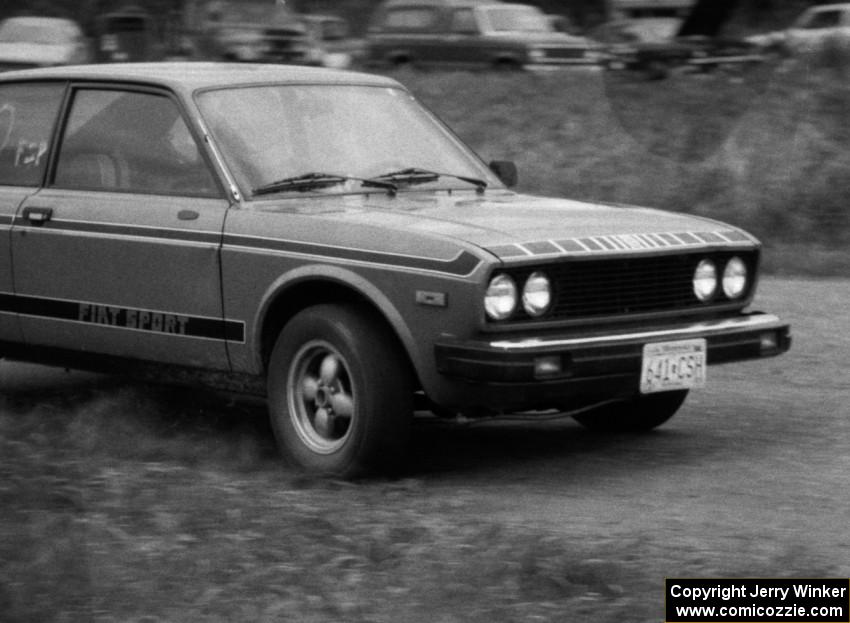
(815, 29)
(128, 35)
(655, 46)
(471, 34)
(331, 36)
(249, 31)
(320, 238)
(41, 42)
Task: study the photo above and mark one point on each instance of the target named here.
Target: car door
(119, 253)
(28, 114)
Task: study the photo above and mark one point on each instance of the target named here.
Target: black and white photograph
(424, 311)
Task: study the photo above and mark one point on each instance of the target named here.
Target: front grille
(627, 286)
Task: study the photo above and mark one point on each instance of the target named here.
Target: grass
(122, 509)
(125, 503)
(766, 150)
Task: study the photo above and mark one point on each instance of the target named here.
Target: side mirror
(506, 171)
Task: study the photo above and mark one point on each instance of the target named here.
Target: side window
(412, 19)
(27, 117)
(824, 19)
(126, 141)
(463, 22)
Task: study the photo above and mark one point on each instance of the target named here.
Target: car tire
(657, 70)
(340, 393)
(641, 413)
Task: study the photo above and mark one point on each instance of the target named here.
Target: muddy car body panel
(164, 214)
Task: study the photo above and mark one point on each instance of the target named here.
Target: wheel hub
(321, 400)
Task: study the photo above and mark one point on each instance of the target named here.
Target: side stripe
(127, 318)
(464, 263)
(138, 231)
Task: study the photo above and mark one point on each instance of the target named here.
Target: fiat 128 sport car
(320, 237)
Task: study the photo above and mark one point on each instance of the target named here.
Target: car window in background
(518, 19)
(133, 142)
(463, 21)
(27, 117)
(334, 29)
(411, 19)
(640, 30)
(823, 19)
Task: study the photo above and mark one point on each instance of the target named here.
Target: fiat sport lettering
(320, 238)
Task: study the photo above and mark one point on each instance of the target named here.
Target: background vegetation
(767, 151)
(123, 504)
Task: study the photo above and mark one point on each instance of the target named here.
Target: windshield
(518, 19)
(272, 133)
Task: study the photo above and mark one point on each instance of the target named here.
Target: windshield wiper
(415, 175)
(311, 181)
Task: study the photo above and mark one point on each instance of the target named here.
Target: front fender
(342, 278)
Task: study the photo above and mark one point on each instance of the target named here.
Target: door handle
(38, 216)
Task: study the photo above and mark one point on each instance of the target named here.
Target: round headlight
(536, 294)
(735, 278)
(501, 297)
(705, 280)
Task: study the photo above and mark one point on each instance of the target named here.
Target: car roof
(190, 76)
(38, 20)
(56, 24)
(823, 8)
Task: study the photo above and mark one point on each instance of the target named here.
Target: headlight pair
(734, 280)
(502, 296)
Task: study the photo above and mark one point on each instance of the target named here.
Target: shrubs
(766, 149)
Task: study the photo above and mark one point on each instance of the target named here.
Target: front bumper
(542, 372)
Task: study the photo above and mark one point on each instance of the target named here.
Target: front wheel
(641, 413)
(340, 392)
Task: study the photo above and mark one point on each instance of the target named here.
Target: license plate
(673, 365)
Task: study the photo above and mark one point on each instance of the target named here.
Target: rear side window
(27, 117)
(413, 19)
(463, 21)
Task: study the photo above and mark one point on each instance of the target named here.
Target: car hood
(508, 225)
(35, 53)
